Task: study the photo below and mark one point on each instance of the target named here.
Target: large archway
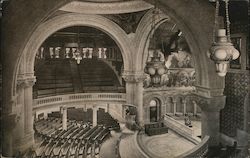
(26, 39)
(24, 78)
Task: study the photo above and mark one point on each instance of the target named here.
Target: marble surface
(167, 145)
(128, 147)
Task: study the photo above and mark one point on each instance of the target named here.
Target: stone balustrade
(180, 128)
(88, 97)
(111, 102)
(198, 151)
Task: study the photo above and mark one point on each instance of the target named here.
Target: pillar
(210, 117)
(195, 108)
(134, 92)
(94, 116)
(64, 118)
(28, 108)
(174, 107)
(184, 102)
(17, 118)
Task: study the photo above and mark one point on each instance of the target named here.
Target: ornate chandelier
(80, 52)
(222, 50)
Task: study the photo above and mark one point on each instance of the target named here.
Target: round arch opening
(78, 59)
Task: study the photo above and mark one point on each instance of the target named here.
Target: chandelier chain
(227, 20)
(216, 19)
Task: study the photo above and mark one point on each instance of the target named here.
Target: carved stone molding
(206, 92)
(213, 104)
(134, 77)
(24, 81)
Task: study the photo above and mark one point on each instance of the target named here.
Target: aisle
(108, 147)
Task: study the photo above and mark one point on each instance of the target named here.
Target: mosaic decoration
(232, 116)
(128, 21)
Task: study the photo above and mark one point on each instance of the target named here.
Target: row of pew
(80, 140)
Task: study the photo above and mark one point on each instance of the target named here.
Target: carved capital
(134, 77)
(213, 104)
(207, 92)
(24, 81)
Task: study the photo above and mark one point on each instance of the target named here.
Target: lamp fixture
(79, 50)
(222, 50)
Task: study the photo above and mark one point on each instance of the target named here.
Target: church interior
(124, 79)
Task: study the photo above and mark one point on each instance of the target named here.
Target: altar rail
(199, 151)
(180, 128)
(88, 97)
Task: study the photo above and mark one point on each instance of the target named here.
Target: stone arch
(143, 31)
(71, 19)
(146, 102)
(199, 42)
(93, 7)
(148, 98)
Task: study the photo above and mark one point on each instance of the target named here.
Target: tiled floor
(166, 145)
(161, 146)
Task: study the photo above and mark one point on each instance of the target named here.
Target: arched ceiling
(106, 6)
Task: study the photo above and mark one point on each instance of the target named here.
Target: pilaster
(23, 133)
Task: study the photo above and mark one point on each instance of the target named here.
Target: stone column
(64, 118)
(95, 115)
(195, 108)
(28, 108)
(174, 107)
(17, 125)
(134, 92)
(210, 117)
(184, 102)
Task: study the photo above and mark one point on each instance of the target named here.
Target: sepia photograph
(124, 79)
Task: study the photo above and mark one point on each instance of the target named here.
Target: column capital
(209, 92)
(25, 81)
(212, 104)
(134, 77)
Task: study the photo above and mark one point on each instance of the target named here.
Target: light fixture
(222, 50)
(79, 51)
(155, 67)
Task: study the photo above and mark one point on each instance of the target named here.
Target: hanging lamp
(222, 50)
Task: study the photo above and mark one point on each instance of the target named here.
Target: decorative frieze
(134, 77)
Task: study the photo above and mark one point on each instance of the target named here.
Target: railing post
(64, 118)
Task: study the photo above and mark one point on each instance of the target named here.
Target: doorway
(154, 107)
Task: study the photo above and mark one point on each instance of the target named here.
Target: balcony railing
(199, 151)
(180, 128)
(87, 97)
